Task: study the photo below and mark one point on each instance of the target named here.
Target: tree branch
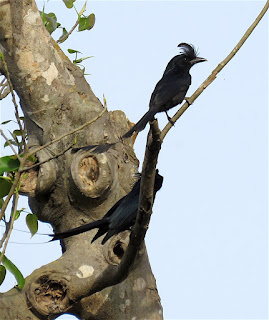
(115, 274)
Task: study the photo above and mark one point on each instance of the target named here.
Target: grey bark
(71, 189)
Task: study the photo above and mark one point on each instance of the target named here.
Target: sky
(208, 236)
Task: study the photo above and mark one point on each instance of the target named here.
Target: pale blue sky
(208, 237)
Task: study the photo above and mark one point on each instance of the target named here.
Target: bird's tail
(140, 125)
(81, 229)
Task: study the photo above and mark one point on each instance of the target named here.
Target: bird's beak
(197, 60)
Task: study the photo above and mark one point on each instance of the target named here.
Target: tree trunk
(72, 188)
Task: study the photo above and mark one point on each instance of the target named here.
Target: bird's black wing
(125, 214)
(169, 92)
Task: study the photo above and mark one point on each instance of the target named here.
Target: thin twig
(15, 104)
(11, 146)
(69, 133)
(12, 219)
(214, 73)
(3, 84)
(47, 160)
(13, 187)
(62, 39)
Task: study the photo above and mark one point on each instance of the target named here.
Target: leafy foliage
(5, 186)
(50, 21)
(32, 223)
(86, 23)
(14, 270)
(3, 272)
(9, 163)
(69, 3)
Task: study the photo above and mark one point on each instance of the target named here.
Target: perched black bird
(172, 88)
(169, 92)
(119, 218)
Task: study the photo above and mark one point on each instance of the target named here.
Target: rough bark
(71, 189)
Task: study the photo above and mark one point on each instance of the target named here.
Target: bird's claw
(188, 101)
(169, 118)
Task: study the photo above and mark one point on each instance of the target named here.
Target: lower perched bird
(169, 91)
(119, 218)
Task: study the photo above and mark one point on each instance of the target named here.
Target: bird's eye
(185, 59)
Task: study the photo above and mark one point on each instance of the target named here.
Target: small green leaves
(18, 213)
(50, 21)
(9, 163)
(14, 270)
(32, 223)
(5, 186)
(64, 36)
(69, 3)
(2, 56)
(81, 59)
(73, 51)
(77, 61)
(3, 272)
(5, 122)
(86, 23)
(15, 141)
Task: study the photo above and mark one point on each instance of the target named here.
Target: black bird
(169, 91)
(119, 218)
(172, 88)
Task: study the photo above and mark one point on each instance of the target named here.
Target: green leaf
(62, 37)
(86, 23)
(69, 3)
(18, 213)
(81, 59)
(32, 158)
(50, 21)
(32, 223)
(17, 132)
(14, 270)
(73, 51)
(5, 186)
(14, 143)
(2, 56)
(9, 163)
(3, 272)
(1, 202)
(5, 122)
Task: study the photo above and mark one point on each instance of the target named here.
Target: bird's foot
(188, 101)
(170, 119)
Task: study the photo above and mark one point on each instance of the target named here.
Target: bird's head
(188, 55)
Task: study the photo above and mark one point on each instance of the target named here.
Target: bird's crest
(187, 49)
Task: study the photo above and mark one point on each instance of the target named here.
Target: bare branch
(14, 102)
(10, 227)
(47, 160)
(145, 200)
(115, 274)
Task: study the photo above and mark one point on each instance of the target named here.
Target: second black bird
(119, 218)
